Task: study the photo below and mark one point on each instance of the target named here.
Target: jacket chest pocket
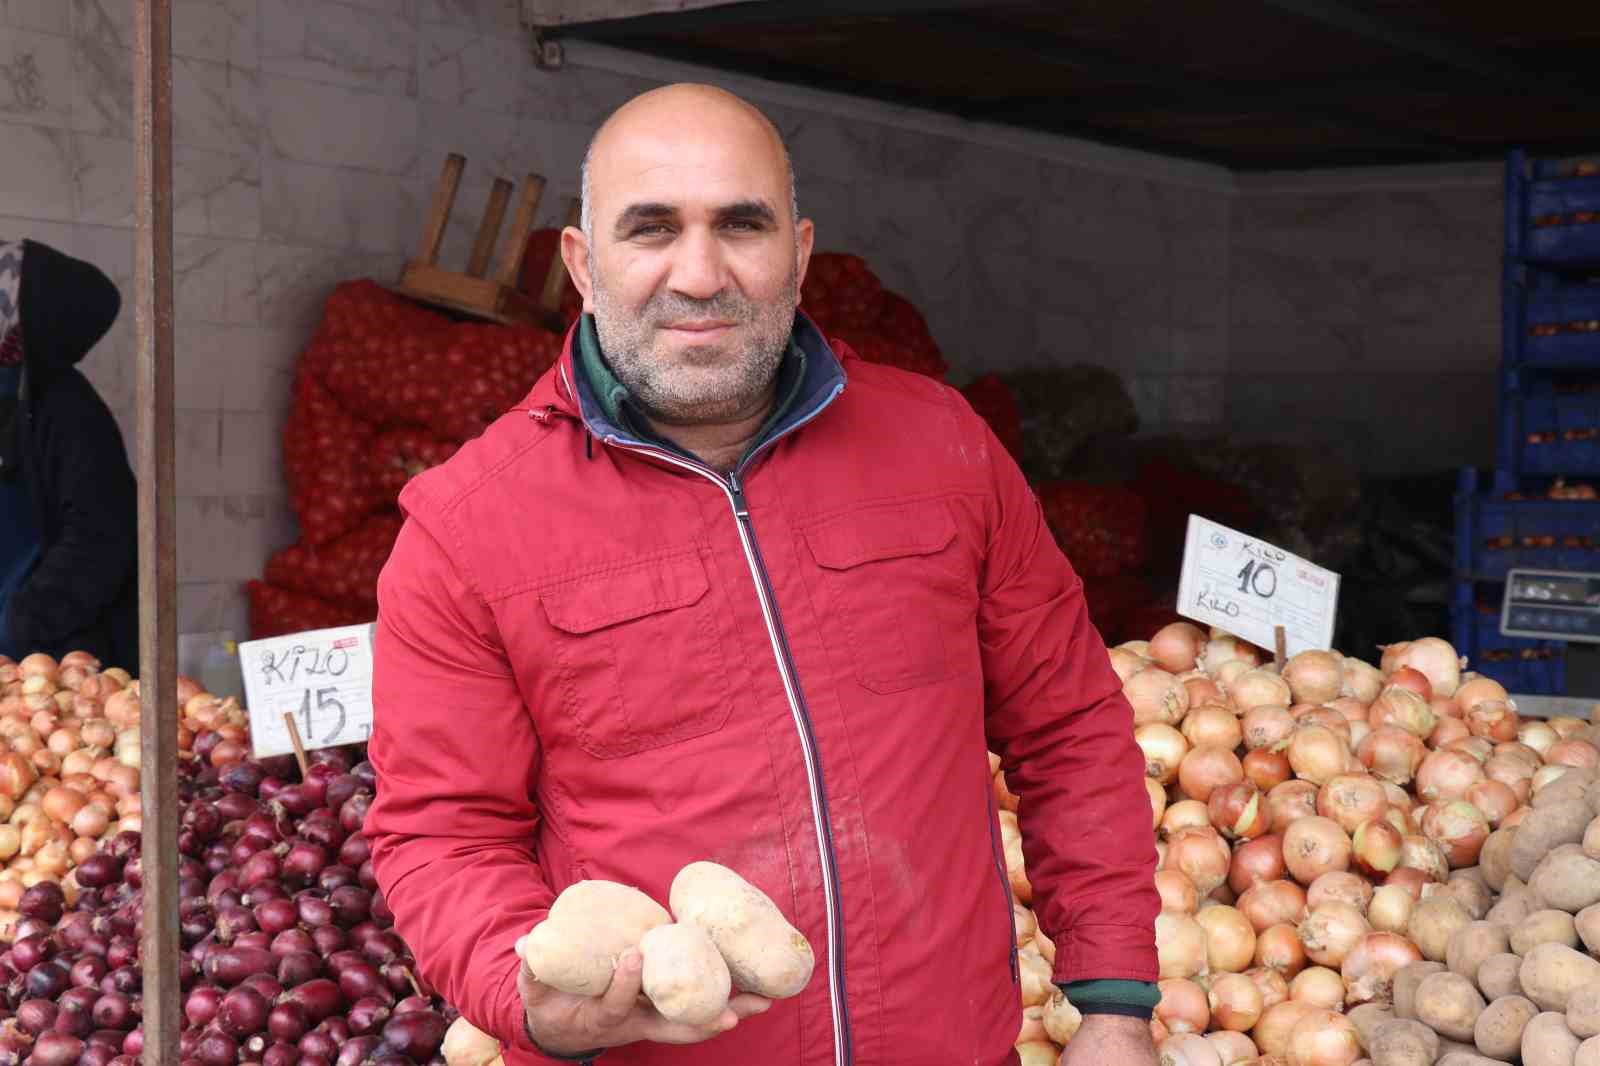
(895, 590)
(639, 655)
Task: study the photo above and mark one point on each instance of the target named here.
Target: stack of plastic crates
(1538, 510)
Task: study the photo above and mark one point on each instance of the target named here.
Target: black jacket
(83, 593)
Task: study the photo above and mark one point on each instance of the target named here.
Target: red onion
(336, 876)
(341, 788)
(368, 876)
(303, 863)
(362, 979)
(292, 940)
(275, 916)
(232, 922)
(352, 905)
(47, 981)
(256, 939)
(87, 972)
(367, 1015)
(97, 1055)
(320, 997)
(201, 1004)
(355, 1052)
(266, 890)
(411, 1003)
(36, 1016)
(31, 951)
(288, 1021)
(353, 814)
(216, 1049)
(133, 1043)
(322, 827)
(355, 850)
(126, 979)
(314, 912)
(262, 866)
(60, 1049)
(113, 1010)
(243, 1012)
(329, 939)
(229, 966)
(44, 901)
(416, 1034)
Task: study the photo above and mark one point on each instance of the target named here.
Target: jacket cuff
(1101, 951)
(1136, 999)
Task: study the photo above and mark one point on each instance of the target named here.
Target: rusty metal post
(158, 587)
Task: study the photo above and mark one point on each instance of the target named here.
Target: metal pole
(158, 589)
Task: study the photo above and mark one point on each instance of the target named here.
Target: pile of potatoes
(1519, 982)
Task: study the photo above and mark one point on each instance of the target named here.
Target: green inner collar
(618, 407)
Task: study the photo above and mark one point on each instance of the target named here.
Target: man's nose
(698, 270)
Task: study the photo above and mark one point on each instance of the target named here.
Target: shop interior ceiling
(1248, 84)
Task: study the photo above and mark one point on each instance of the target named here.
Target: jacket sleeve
(457, 759)
(94, 553)
(1057, 718)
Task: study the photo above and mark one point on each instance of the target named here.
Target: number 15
(326, 701)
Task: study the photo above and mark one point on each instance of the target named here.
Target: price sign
(1249, 588)
(323, 677)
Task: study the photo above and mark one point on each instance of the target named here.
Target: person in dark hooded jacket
(68, 509)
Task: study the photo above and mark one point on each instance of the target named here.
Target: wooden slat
(556, 278)
(444, 199)
(475, 296)
(157, 535)
(510, 269)
(489, 227)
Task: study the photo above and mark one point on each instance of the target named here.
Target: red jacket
(596, 659)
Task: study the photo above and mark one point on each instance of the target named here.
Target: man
(68, 564)
(718, 591)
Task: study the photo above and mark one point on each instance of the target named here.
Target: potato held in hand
(765, 954)
(684, 974)
(575, 949)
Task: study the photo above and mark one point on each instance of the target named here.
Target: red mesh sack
(401, 454)
(1172, 494)
(275, 611)
(361, 318)
(902, 321)
(543, 246)
(995, 404)
(327, 456)
(343, 571)
(1111, 600)
(842, 293)
(1100, 528)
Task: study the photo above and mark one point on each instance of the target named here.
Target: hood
(66, 305)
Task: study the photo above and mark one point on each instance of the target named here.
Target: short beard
(706, 385)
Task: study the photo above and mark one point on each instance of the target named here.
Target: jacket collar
(567, 390)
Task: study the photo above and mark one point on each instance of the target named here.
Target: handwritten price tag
(323, 677)
(1249, 587)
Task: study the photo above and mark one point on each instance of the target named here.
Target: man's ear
(805, 236)
(575, 253)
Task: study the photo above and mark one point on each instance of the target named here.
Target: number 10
(1250, 579)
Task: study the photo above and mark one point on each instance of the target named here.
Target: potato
(1572, 785)
(1473, 943)
(765, 954)
(1449, 1003)
(1544, 927)
(1544, 830)
(1401, 1042)
(1588, 1053)
(1044, 1053)
(1567, 879)
(1458, 1047)
(684, 974)
(1061, 1018)
(1434, 921)
(1467, 1058)
(1591, 840)
(1406, 980)
(1035, 976)
(1552, 972)
(1587, 925)
(1497, 976)
(1494, 859)
(1498, 1030)
(1469, 887)
(1512, 910)
(591, 923)
(467, 1045)
(1367, 1018)
(1583, 1010)
(1548, 1042)
(1593, 795)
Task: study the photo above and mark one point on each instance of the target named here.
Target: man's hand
(565, 1024)
(1103, 1039)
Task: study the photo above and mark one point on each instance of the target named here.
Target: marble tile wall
(308, 136)
(1365, 314)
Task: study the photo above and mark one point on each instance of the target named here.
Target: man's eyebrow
(747, 211)
(634, 214)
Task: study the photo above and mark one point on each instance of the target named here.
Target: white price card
(1248, 587)
(323, 677)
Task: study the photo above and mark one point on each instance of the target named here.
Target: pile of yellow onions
(1301, 815)
(69, 764)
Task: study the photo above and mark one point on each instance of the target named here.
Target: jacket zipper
(842, 1051)
(1005, 887)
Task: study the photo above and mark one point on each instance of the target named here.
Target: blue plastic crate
(1572, 310)
(1495, 535)
(1557, 430)
(1575, 240)
(1532, 667)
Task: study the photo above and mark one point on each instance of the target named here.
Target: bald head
(685, 109)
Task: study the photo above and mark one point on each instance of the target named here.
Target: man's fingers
(748, 1005)
(621, 997)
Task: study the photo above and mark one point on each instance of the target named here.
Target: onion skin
(1369, 969)
(1267, 726)
(1156, 695)
(1278, 947)
(1376, 847)
(1331, 931)
(1447, 775)
(1183, 1007)
(1235, 1002)
(1266, 769)
(1392, 754)
(1256, 861)
(1272, 903)
(1237, 811)
(1206, 769)
(1178, 647)
(1314, 845)
(1290, 801)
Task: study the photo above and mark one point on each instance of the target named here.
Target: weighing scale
(1559, 605)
